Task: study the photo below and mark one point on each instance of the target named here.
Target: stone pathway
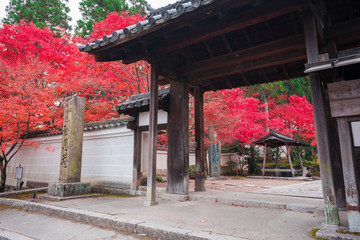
(306, 189)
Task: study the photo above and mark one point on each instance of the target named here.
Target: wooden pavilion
(207, 45)
(275, 140)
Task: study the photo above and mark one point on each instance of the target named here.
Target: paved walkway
(307, 190)
(214, 214)
(24, 225)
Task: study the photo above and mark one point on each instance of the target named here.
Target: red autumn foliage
(236, 117)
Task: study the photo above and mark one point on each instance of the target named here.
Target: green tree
(295, 86)
(97, 10)
(50, 13)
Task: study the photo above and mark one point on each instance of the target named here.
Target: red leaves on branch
(236, 117)
(39, 69)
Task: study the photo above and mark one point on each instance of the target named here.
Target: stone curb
(5, 194)
(113, 222)
(8, 235)
(298, 207)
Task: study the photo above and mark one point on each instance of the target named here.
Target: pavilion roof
(276, 139)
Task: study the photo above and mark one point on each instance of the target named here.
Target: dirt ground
(242, 184)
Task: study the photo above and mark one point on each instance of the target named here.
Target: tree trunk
(3, 178)
(251, 162)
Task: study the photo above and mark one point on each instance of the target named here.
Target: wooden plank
(209, 29)
(265, 50)
(321, 126)
(345, 108)
(344, 90)
(151, 170)
(178, 138)
(199, 139)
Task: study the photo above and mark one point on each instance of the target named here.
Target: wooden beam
(321, 126)
(226, 41)
(178, 138)
(265, 50)
(151, 170)
(199, 139)
(319, 12)
(245, 79)
(228, 83)
(247, 36)
(285, 71)
(208, 48)
(211, 85)
(270, 31)
(270, 61)
(341, 29)
(263, 74)
(146, 128)
(208, 30)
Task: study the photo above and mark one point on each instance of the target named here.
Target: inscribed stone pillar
(72, 140)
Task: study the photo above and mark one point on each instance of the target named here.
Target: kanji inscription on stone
(72, 140)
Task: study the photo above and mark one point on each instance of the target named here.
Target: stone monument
(71, 151)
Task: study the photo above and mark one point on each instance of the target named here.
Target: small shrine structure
(275, 139)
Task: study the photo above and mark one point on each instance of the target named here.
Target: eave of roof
(155, 17)
(92, 126)
(141, 102)
(275, 139)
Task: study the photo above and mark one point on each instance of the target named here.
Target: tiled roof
(275, 139)
(106, 124)
(141, 102)
(155, 17)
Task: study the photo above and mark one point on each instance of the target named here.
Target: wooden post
(351, 177)
(151, 170)
(199, 139)
(137, 156)
(264, 161)
(301, 162)
(290, 162)
(178, 138)
(321, 126)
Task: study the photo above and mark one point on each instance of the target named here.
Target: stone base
(336, 233)
(68, 189)
(148, 203)
(56, 198)
(175, 197)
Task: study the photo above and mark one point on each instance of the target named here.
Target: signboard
(18, 172)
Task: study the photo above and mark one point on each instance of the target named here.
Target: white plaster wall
(107, 159)
(144, 118)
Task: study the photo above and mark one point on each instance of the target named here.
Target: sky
(74, 5)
